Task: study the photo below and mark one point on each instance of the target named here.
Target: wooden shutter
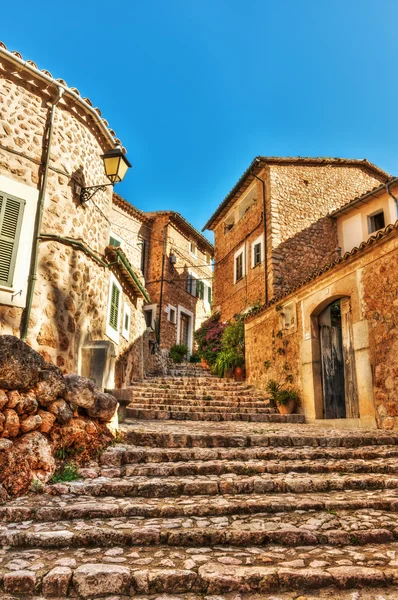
(11, 211)
(114, 312)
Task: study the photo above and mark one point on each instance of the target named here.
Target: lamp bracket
(87, 193)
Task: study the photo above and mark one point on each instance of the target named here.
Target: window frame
(153, 308)
(195, 253)
(258, 242)
(171, 308)
(371, 222)
(117, 238)
(192, 288)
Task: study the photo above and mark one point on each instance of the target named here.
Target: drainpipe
(389, 192)
(265, 235)
(39, 217)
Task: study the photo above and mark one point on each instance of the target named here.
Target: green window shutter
(114, 242)
(114, 312)
(11, 211)
(209, 295)
(200, 289)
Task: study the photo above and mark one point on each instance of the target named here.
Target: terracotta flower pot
(287, 409)
(228, 373)
(204, 363)
(239, 373)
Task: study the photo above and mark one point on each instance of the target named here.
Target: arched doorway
(337, 361)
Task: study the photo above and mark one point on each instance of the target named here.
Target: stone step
(147, 571)
(252, 467)
(336, 528)
(45, 507)
(199, 408)
(221, 435)
(214, 485)
(119, 455)
(196, 395)
(149, 414)
(200, 401)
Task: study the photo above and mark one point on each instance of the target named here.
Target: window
(239, 267)
(11, 211)
(208, 258)
(114, 309)
(150, 315)
(249, 199)
(192, 284)
(376, 221)
(207, 294)
(257, 251)
(114, 312)
(229, 222)
(126, 322)
(193, 249)
(113, 241)
(172, 312)
(200, 290)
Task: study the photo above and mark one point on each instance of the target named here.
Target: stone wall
(70, 302)
(42, 413)
(299, 238)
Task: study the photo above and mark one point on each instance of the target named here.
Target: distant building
(257, 258)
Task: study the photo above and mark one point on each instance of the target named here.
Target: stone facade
(299, 193)
(172, 236)
(287, 332)
(71, 296)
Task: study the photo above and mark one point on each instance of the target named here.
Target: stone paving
(217, 511)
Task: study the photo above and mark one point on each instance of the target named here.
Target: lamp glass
(115, 164)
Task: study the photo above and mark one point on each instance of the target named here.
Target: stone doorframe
(346, 288)
(180, 310)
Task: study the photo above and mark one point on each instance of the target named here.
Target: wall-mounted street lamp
(115, 165)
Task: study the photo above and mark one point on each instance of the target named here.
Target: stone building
(296, 195)
(87, 294)
(179, 279)
(335, 331)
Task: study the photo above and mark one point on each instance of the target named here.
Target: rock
(30, 423)
(61, 410)
(104, 407)
(51, 385)
(20, 582)
(20, 365)
(11, 423)
(5, 444)
(27, 404)
(13, 398)
(47, 421)
(3, 495)
(100, 579)
(28, 459)
(56, 582)
(2, 419)
(3, 399)
(80, 391)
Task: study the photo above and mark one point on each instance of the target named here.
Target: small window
(11, 211)
(172, 315)
(208, 258)
(376, 222)
(229, 222)
(248, 200)
(193, 249)
(256, 254)
(114, 311)
(239, 267)
(114, 242)
(200, 290)
(126, 322)
(192, 284)
(148, 317)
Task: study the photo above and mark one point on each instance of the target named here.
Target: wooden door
(184, 329)
(350, 374)
(332, 372)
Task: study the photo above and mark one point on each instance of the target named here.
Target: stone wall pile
(43, 412)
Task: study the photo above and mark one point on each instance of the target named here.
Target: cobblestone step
(162, 405)
(119, 455)
(238, 403)
(45, 507)
(150, 414)
(133, 571)
(253, 467)
(193, 396)
(243, 435)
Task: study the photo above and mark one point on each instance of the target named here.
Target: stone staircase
(197, 510)
(193, 394)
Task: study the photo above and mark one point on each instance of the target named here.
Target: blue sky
(195, 90)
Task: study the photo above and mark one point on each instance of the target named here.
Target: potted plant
(177, 352)
(233, 344)
(228, 360)
(285, 397)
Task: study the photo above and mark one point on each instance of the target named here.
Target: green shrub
(177, 352)
(68, 472)
(280, 393)
(208, 338)
(194, 358)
